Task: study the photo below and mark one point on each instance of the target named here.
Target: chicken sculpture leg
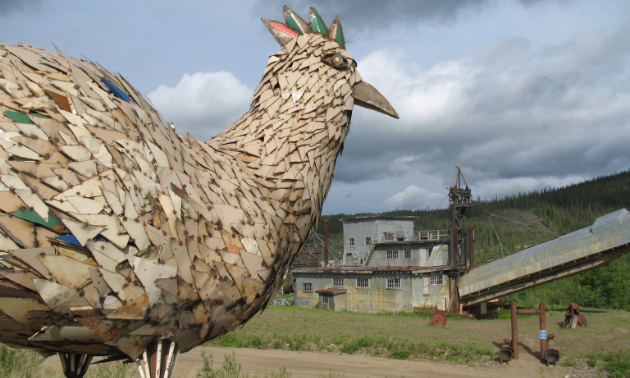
(124, 238)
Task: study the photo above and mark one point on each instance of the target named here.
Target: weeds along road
(259, 363)
(307, 364)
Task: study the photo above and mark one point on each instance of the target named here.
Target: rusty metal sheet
(113, 201)
(33, 202)
(136, 230)
(86, 205)
(88, 188)
(252, 262)
(67, 271)
(233, 244)
(106, 329)
(41, 190)
(20, 231)
(123, 289)
(148, 271)
(18, 309)
(68, 176)
(59, 297)
(251, 288)
(43, 236)
(133, 346)
(10, 202)
(10, 290)
(85, 168)
(24, 279)
(83, 232)
(110, 232)
(136, 308)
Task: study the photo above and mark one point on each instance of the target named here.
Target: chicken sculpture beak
(368, 97)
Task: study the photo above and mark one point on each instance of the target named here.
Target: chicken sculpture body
(124, 238)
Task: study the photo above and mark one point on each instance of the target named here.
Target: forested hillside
(526, 219)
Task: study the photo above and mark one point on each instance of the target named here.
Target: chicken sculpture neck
(124, 238)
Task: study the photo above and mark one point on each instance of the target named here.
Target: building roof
(394, 217)
(374, 269)
(385, 243)
(333, 291)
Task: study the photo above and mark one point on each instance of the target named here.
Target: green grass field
(604, 342)
(408, 335)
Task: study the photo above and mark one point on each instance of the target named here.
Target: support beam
(514, 330)
(75, 365)
(158, 360)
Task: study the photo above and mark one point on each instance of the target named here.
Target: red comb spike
(283, 28)
(282, 33)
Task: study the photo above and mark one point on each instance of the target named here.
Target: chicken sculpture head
(319, 53)
(123, 238)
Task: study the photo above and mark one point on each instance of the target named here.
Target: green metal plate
(32, 216)
(21, 117)
(17, 116)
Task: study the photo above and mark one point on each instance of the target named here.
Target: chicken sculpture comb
(123, 238)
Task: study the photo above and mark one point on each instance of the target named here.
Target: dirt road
(304, 364)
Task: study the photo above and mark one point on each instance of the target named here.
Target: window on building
(393, 283)
(308, 287)
(407, 254)
(337, 282)
(388, 236)
(437, 280)
(368, 240)
(351, 242)
(392, 255)
(325, 299)
(363, 282)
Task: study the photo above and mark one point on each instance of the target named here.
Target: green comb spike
(317, 24)
(293, 24)
(339, 37)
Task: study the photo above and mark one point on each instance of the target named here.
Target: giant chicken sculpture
(126, 239)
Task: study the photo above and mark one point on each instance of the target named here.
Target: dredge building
(386, 266)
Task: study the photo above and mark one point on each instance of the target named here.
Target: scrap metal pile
(124, 237)
(573, 318)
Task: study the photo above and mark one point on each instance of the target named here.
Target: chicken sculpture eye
(336, 60)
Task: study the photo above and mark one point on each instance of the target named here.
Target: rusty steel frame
(74, 365)
(310, 255)
(544, 343)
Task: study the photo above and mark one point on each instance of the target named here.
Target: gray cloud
(375, 14)
(363, 15)
(9, 6)
(504, 113)
(529, 3)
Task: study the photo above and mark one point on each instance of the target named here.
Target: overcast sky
(522, 94)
